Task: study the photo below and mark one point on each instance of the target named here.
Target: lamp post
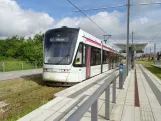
(133, 58)
(106, 37)
(154, 52)
(127, 42)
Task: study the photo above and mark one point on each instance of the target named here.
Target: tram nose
(59, 75)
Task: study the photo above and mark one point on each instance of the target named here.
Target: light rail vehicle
(72, 55)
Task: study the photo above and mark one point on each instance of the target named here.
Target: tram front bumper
(55, 77)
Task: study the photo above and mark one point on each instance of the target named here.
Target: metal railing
(6, 66)
(92, 101)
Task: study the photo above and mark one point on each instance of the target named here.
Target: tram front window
(59, 46)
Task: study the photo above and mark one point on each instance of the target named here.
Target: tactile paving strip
(146, 114)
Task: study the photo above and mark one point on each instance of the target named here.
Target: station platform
(145, 107)
(139, 100)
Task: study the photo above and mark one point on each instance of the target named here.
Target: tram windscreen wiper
(63, 59)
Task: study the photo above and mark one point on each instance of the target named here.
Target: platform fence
(6, 66)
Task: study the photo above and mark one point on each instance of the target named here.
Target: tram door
(88, 58)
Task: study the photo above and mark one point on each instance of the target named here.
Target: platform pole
(94, 111)
(107, 102)
(114, 91)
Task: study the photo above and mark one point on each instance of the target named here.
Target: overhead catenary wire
(90, 3)
(117, 6)
(152, 26)
(151, 3)
(156, 35)
(141, 4)
(100, 8)
(87, 16)
(144, 4)
(153, 37)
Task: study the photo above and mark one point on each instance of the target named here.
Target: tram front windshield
(59, 46)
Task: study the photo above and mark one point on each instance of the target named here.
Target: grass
(15, 65)
(23, 96)
(148, 64)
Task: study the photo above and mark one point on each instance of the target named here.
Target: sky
(28, 17)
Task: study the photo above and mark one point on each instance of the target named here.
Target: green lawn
(15, 65)
(148, 64)
(23, 96)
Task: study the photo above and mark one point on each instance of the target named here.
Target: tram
(72, 55)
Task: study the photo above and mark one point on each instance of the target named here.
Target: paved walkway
(149, 108)
(18, 74)
(157, 65)
(137, 101)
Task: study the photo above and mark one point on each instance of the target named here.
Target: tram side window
(80, 57)
(105, 57)
(78, 60)
(95, 56)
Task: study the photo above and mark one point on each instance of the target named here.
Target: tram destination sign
(59, 39)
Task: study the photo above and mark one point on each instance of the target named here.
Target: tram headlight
(56, 70)
(47, 70)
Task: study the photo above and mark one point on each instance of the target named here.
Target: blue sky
(62, 8)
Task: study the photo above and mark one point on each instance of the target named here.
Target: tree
(16, 47)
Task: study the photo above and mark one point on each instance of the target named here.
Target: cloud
(114, 23)
(109, 22)
(144, 21)
(16, 21)
(145, 26)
